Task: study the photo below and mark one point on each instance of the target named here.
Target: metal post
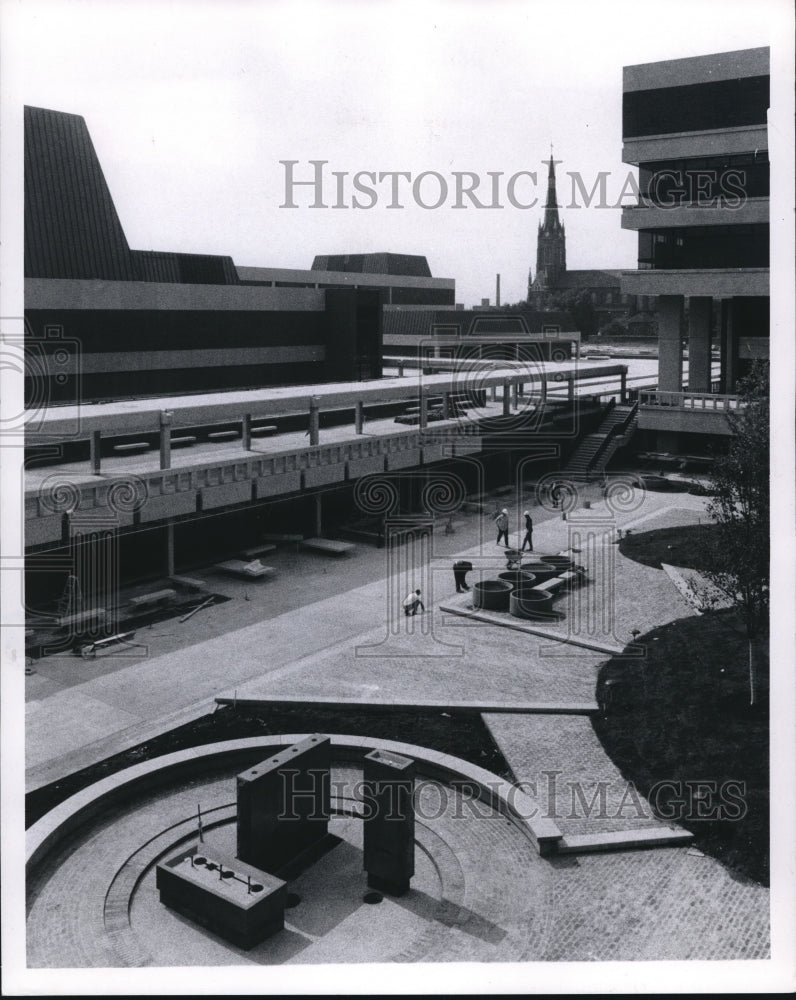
(359, 416)
(165, 438)
(96, 438)
(506, 398)
(246, 431)
(315, 420)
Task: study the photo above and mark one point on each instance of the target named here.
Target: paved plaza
(324, 628)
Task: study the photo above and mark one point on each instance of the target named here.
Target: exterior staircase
(594, 451)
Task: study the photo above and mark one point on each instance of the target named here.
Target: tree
(738, 554)
(580, 306)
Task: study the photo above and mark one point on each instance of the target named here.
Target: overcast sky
(191, 107)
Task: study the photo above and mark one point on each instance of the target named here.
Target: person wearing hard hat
(528, 532)
(412, 602)
(502, 522)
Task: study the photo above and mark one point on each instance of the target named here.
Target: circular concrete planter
(541, 571)
(517, 578)
(561, 563)
(492, 595)
(530, 604)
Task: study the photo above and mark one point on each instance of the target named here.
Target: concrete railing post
(246, 432)
(96, 442)
(165, 438)
(423, 400)
(359, 416)
(315, 420)
(506, 398)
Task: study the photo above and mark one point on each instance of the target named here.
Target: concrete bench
(92, 616)
(276, 537)
(124, 449)
(183, 442)
(328, 546)
(257, 551)
(264, 429)
(155, 597)
(252, 570)
(223, 435)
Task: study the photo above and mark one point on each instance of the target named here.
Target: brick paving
(502, 900)
(481, 893)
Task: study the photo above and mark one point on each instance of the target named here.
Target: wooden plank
(155, 597)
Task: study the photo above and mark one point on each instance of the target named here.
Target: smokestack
(497, 291)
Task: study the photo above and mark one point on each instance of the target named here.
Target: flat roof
(696, 69)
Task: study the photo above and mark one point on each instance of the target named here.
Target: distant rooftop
(409, 265)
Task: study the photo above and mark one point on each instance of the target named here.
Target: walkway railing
(690, 400)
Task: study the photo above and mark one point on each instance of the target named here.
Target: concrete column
(423, 400)
(318, 515)
(623, 385)
(670, 354)
(96, 441)
(699, 314)
(493, 393)
(515, 397)
(170, 548)
(246, 432)
(165, 439)
(506, 398)
(729, 346)
(315, 420)
(446, 405)
(359, 416)
(400, 369)
(571, 389)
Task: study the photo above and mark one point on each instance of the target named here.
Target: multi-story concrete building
(152, 323)
(697, 130)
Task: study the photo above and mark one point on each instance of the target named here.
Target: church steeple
(551, 220)
(551, 250)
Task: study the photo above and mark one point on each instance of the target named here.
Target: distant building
(480, 333)
(152, 323)
(554, 284)
(696, 129)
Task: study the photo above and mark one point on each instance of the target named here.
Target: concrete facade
(695, 127)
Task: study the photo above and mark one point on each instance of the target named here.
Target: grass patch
(681, 714)
(686, 547)
(463, 736)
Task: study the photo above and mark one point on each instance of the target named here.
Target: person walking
(502, 522)
(528, 532)
(460, 571)
(412, 602)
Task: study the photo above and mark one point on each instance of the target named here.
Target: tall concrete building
(697, 130)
